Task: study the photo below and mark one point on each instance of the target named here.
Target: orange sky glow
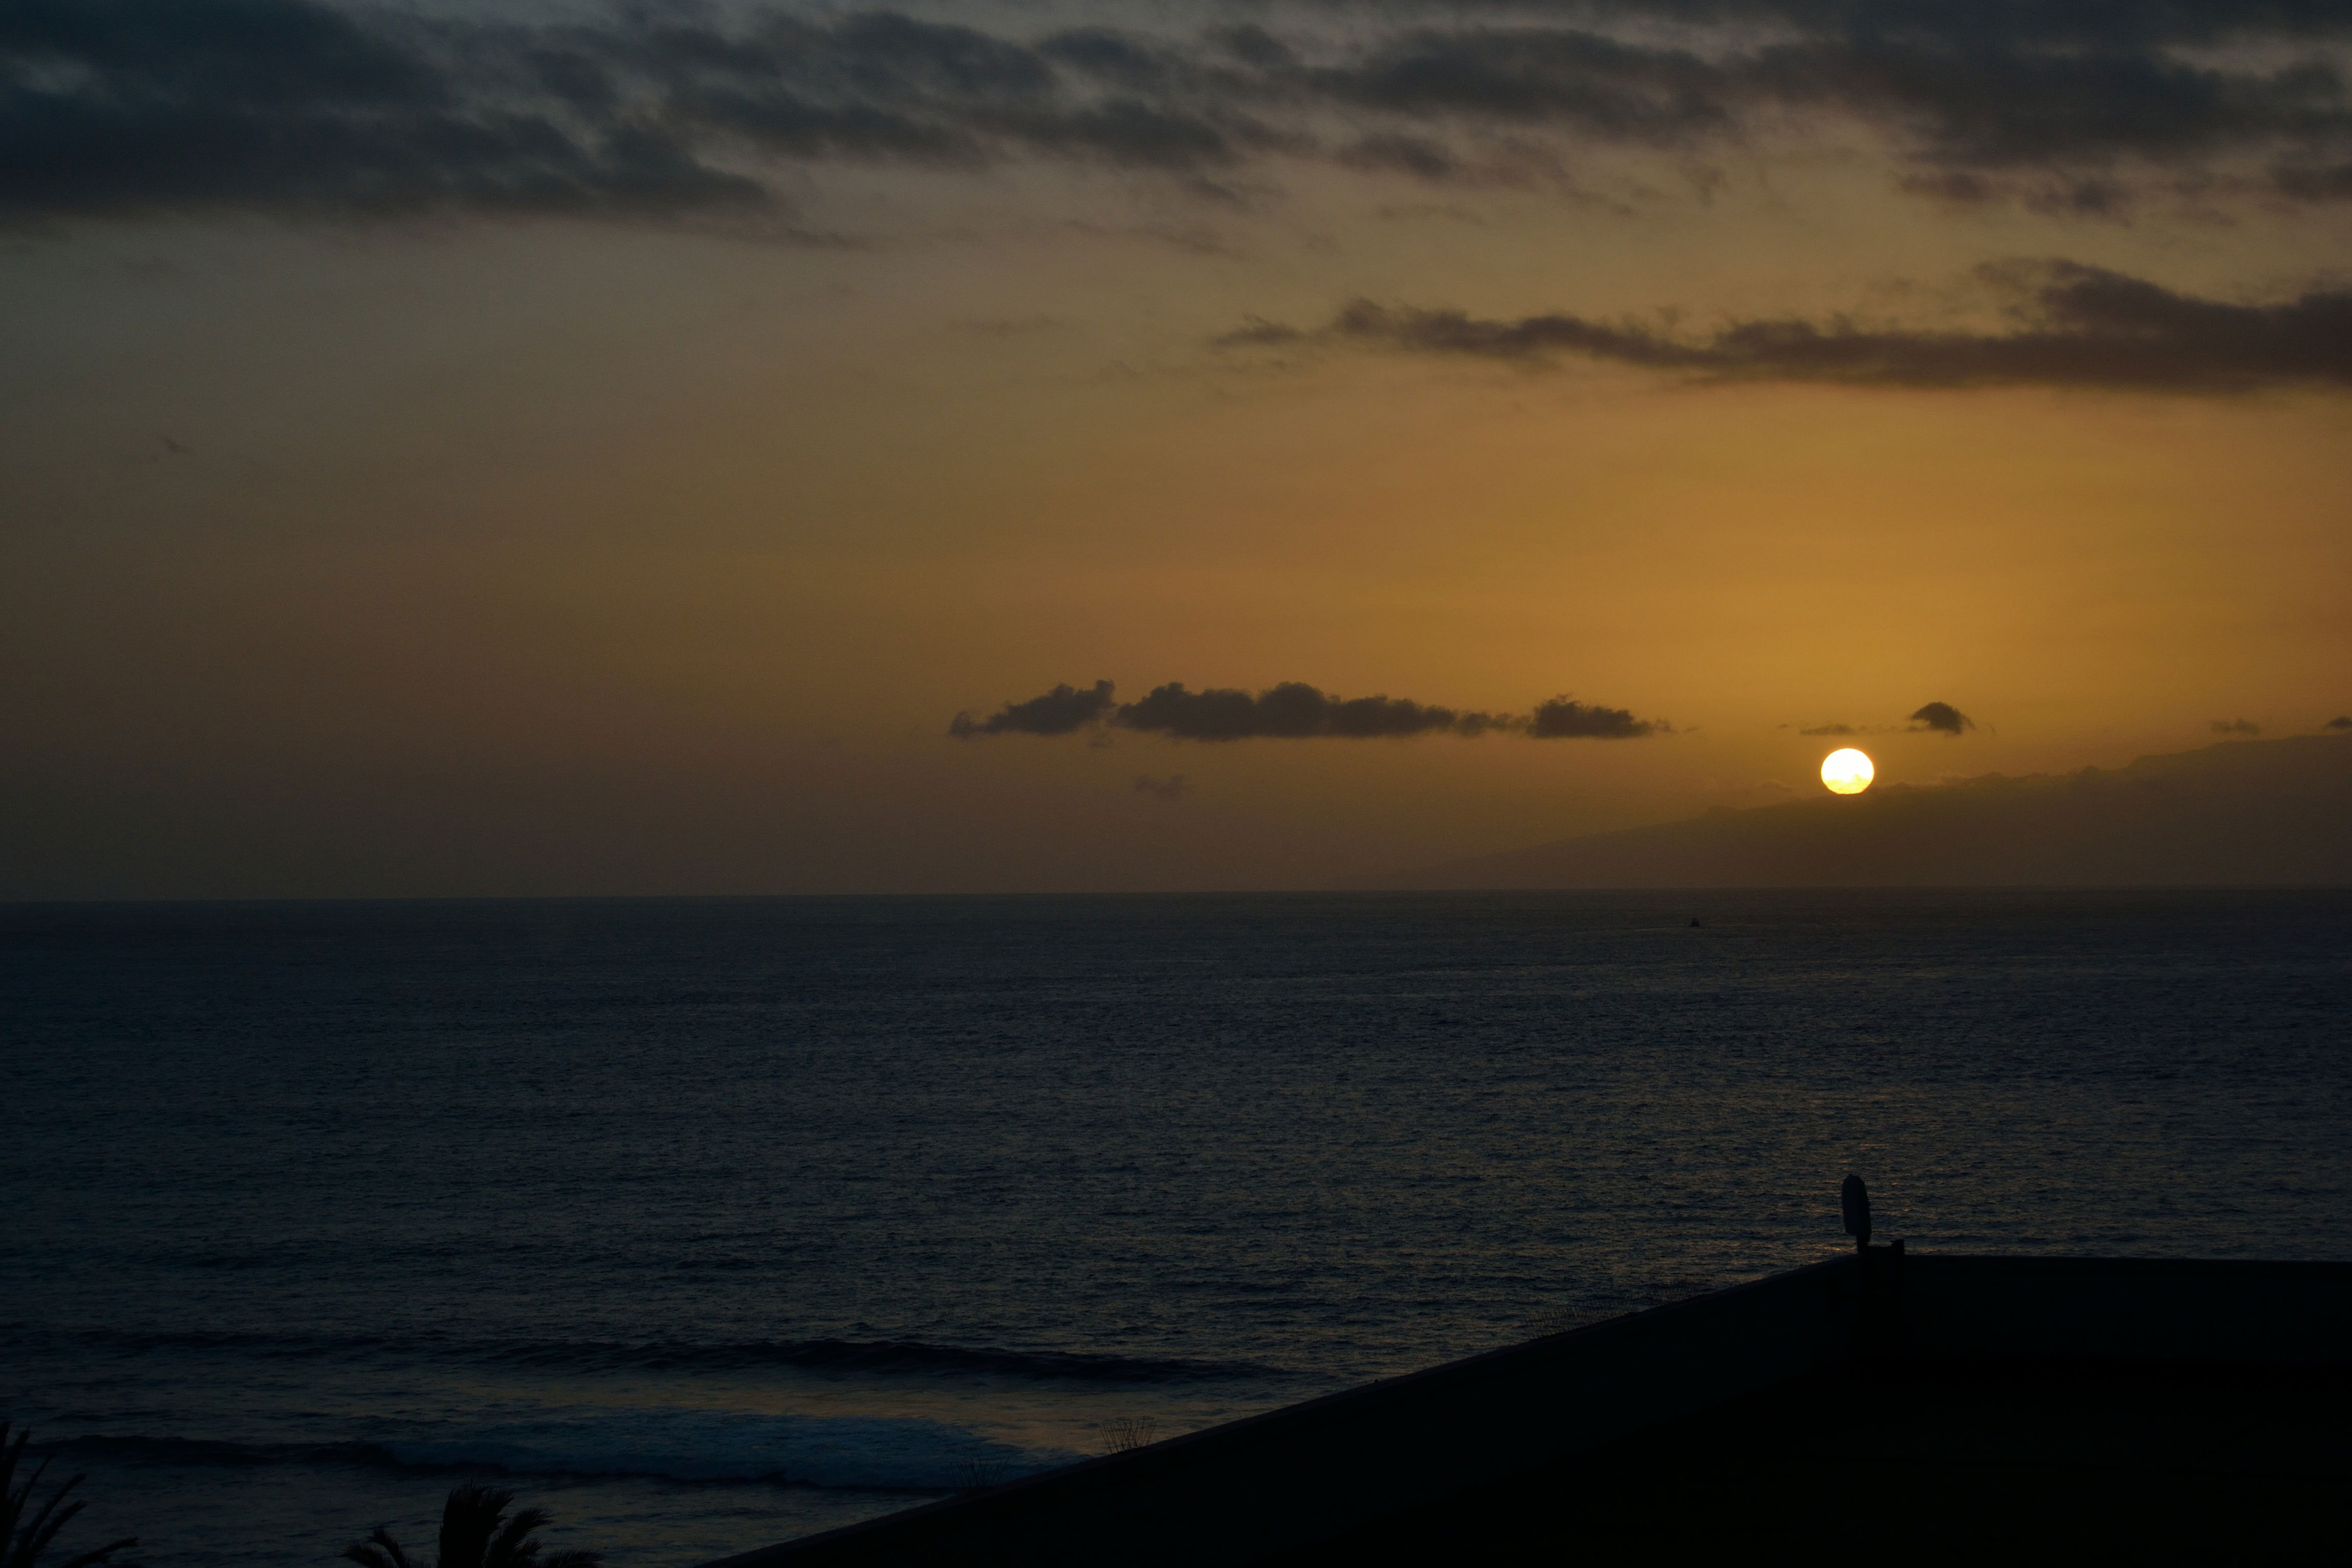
(446, 541)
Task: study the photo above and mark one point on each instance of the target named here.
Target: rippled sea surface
(709, 1223)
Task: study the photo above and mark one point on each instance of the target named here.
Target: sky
(521, 449)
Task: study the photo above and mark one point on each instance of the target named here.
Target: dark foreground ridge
(1877, 1406)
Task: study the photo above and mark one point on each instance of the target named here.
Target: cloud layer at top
(1291, 711)
(112, 106)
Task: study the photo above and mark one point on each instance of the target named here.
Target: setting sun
(1847, 771)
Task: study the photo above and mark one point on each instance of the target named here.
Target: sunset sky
(528, 449)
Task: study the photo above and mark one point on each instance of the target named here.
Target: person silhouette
(1855, 1199)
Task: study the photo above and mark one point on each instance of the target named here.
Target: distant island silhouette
(2239, 814)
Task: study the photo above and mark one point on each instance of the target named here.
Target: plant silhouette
(23, 1539)
(476, 1533)
(1125, 1434)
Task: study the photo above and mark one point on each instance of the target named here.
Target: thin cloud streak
(2070, 22)
(2078, 327)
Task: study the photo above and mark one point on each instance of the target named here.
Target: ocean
(703, 1223)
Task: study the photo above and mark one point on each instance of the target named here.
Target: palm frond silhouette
(476, 1533)
(23, 1539)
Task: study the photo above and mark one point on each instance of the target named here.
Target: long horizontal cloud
(1291, 711)
(2077, 23)
(295, 105)
(1986, 103)
(1561, 720)
(2077, 326)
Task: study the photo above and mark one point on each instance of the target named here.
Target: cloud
(1760, 792)
(2306, 182)
(301, 107)
(2067, 23)
(2341, 721)
(1173, 787)
(1942, 718)
(1582, 80)
(2002, 106)
(2235, 727)
(1831, 730)
(1994, 91)
(1291, 711)
(2078, 327)
(114, 106)
(125, 105)
(1058, 712)
(1257, 332)
(1560, 718)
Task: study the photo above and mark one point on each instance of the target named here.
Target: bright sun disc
(1847, 771)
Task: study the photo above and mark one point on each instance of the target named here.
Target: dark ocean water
(711, 1223)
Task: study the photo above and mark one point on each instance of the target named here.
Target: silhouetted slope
(2240, 813)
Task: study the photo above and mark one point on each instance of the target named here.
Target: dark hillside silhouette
(2240, 813)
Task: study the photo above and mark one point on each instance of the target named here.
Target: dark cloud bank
(2242, 813)
(2075, 326)
(117, 106)
(1292, 710)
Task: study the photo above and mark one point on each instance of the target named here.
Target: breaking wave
(877, 1452)
(884, 1357)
